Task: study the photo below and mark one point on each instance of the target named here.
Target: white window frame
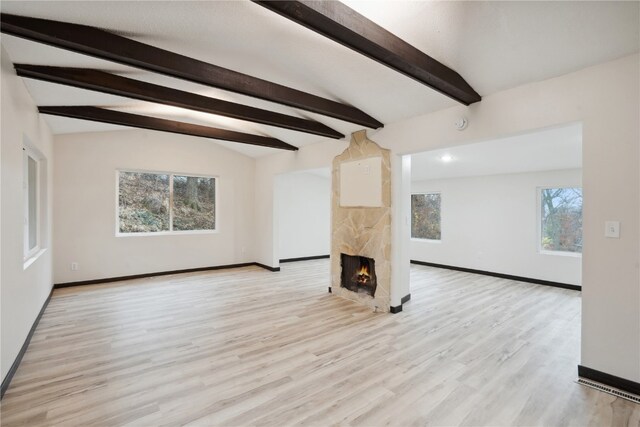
(31, 253)
(420, 239)
(540, 249)
(171, 231)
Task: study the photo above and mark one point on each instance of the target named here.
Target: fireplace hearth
(358, 274)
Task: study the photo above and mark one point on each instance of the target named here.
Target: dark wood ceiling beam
(344, 25)
(102, 115)
(122, 86)
(112, 47)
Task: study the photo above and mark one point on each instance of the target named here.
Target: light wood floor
(250, 347)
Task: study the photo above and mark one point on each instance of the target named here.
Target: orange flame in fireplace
(362, 276)
(364, 270)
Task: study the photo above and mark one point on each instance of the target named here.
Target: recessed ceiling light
(446, 158)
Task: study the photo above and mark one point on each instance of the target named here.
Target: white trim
(29, 254)
(33, 258)
(167, 233)
(171, 231)
(171, 204)
(561, 253)
(164, 172)
(418, 239)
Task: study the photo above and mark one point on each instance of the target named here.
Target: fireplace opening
(358, 274)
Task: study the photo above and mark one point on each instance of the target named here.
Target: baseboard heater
(610, 390)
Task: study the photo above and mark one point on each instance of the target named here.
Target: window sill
(560, 253)
(168, 233)
(33, 258)
(415, 239)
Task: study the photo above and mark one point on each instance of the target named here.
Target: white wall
(400, 227)
(22, 291)
(303, 206)
(85, 205)
(605, 99)
(490, 223)
(314, 156)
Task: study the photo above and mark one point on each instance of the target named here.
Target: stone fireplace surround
(362, 231)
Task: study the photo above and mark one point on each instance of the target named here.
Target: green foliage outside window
(425, 216)
(143, 202)
(193, 203)
(152, 202)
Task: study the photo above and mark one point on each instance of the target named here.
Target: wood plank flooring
(250, 347)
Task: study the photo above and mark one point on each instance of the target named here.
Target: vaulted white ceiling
(493, 45)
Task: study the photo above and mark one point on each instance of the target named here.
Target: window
(164, 202)
(194, 200)
(425, 216)
(143, 202)
(561, 219)
(31, 206)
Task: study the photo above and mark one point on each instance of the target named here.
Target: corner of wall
(23, 290)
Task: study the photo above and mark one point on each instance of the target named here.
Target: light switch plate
(612, 229)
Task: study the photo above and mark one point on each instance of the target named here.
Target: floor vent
(614, 391)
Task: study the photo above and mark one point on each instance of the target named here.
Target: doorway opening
(302, 216)
(506, 207)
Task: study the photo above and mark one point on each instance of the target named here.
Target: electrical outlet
(74, 266)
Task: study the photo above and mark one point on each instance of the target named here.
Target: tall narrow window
(561, 219)
(425, 216)
(31, 216)
(164, 202)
